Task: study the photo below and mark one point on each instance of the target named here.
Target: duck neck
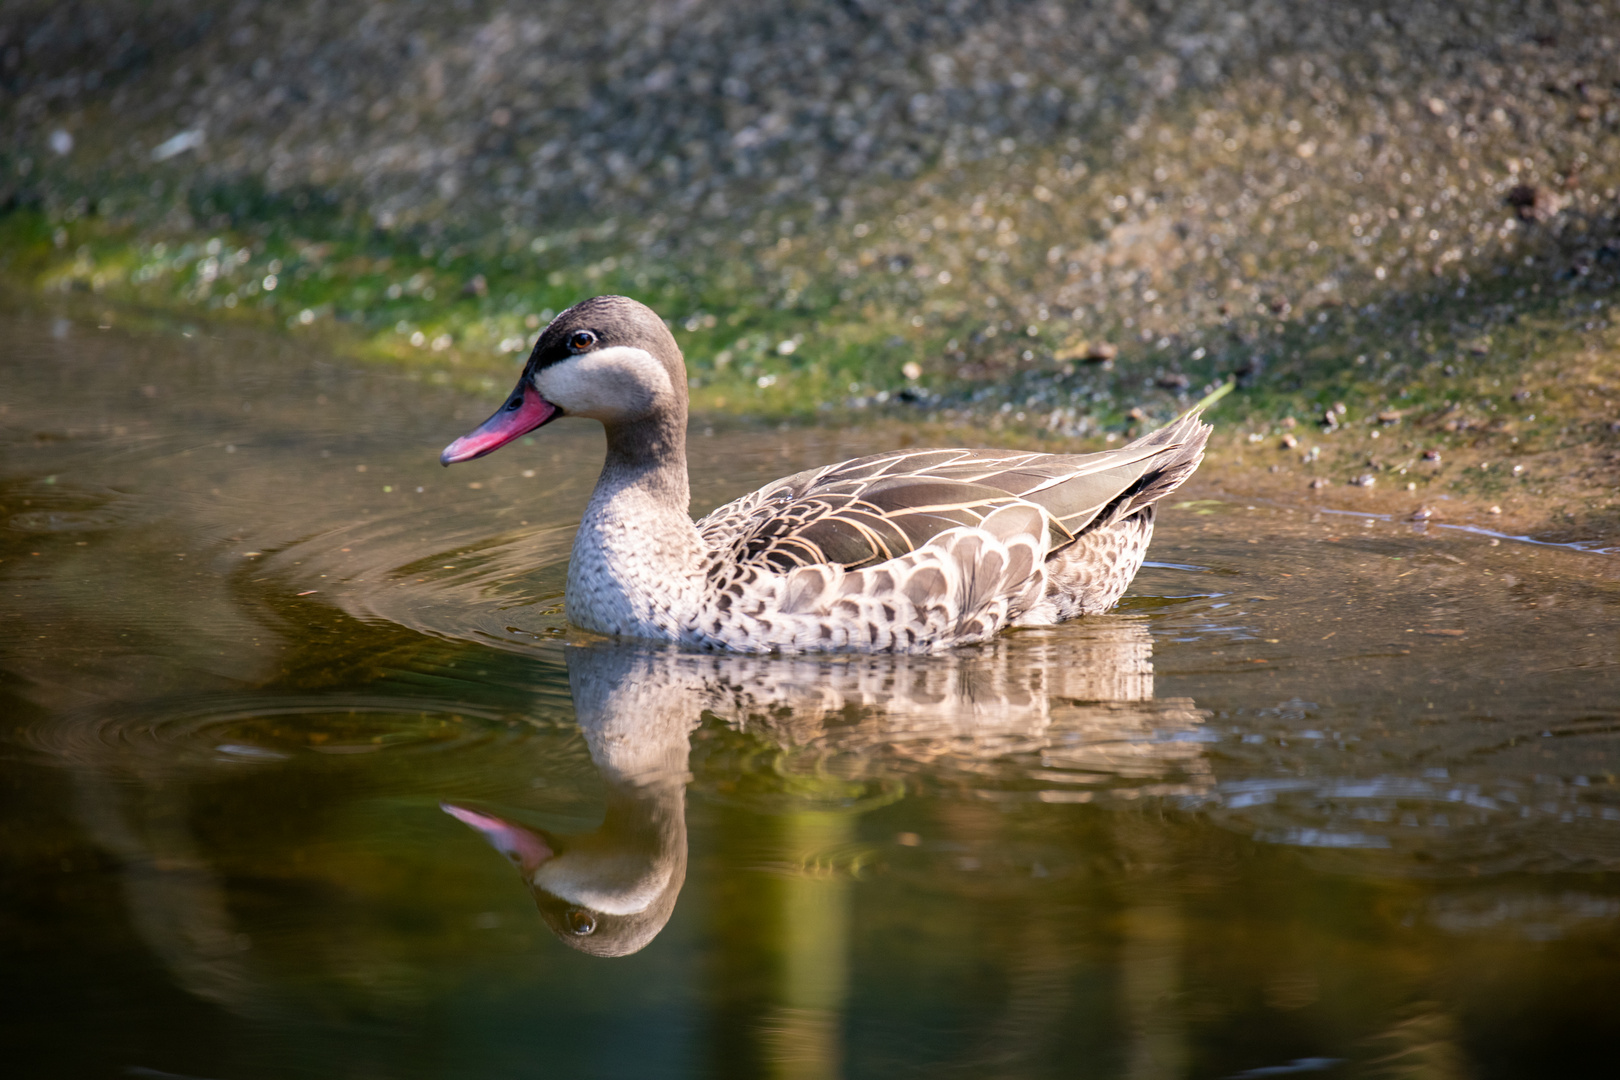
(648, 458)
(637, 555)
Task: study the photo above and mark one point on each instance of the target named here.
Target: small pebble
(1431, 455)
(1365, 480)
(1289, 442)
(1318, 483)
(1494, 510)
(1533, 203)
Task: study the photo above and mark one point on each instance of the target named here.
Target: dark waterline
(1328, 794)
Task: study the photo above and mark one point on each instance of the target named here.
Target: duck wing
(1084, 492)
(862, 512)
(853, 522)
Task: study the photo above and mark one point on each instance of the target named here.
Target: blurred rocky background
(1069, 219)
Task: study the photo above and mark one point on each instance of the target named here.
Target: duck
(912, 551)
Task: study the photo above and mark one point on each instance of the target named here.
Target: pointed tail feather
(1183, 441)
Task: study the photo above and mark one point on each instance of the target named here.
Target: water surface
(1328, 795)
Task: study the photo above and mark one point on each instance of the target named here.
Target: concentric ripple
(241, 730)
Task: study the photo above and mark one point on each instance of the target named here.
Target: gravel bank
(1045, 213)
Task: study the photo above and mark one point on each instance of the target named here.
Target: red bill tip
(524, 411)
(526, 848)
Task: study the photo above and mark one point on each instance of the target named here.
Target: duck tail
(1182, 442)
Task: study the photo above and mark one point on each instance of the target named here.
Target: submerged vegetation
(1396, 228)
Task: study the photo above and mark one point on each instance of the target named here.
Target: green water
(1331, 795)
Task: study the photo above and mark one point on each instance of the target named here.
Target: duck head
(609, 358)
(608, 892)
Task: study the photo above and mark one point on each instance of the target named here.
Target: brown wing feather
(856, 523)
(865, 511)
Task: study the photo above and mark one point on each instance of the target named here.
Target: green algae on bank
(1420, 395)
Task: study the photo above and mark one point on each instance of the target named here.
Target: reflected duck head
(607, 892)
(609, 358)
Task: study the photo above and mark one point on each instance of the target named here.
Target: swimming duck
(909, 551)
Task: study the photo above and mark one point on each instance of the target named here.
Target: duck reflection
(1075, 704)
(787, 754)
(610, 891)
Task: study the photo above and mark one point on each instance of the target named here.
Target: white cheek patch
(606, 384)
(579, 885)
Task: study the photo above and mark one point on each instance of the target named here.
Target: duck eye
(581, 922)
(580, 340)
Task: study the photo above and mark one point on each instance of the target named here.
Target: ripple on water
(59, 505)
(63, 521)
(1429, 825)
(243, 730)
(471, 584)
